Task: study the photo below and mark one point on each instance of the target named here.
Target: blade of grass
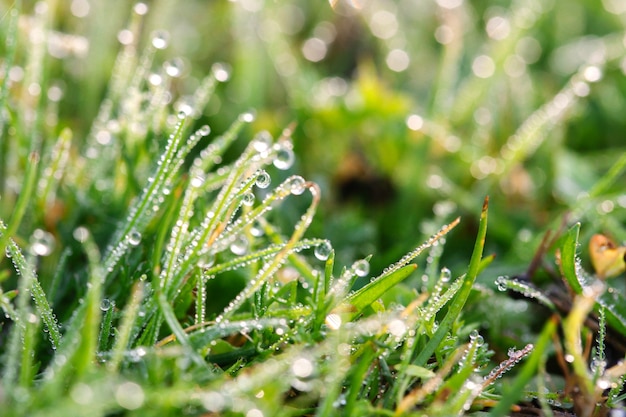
(513, 392)
(568, 258)
(85, 355)
(375, 289)
(22, 202)
(25, 270)
(459, 301)
(124, 331)
(177, 330)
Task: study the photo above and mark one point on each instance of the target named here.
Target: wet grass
(169, 251)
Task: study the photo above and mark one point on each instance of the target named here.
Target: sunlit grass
(208, 217)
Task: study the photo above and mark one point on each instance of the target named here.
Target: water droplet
(248, 199)
(129, 395)
(284, 157)
(397, 328)
(254, 412)
(323, 250)
(221, 72)
(302, 368)
(240, 245)
(174, 68)
(445, 275)
(140, 8)
(361, 267)
(204, 130)
(262, 141)
(42, 243)
(105, 304)
(213, 401)
(247, 117)
(598, 366)
(477, 338)
(160, 39)
(182, 115)
(197, 180)
(501, 283)
(7, 252)
(296, 185)
(333, 321)
(256, 229)
(134, 238)
(263, 180)
(81, 394)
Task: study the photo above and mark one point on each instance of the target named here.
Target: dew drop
(130, 395)
(182, 115)
(333, 321)
(598, 366)
(240, 245)
(213, 401)
(174, 68)
(445, 275)
(254, 412)
(81, 394)
(323, 250)
(7, 252)
(302, 368)
(197, 180)
(296, 185)
(284, 157)
(42, 243)
(140, 8)
(247, 117)
(105, 304)
(160, 39)
(221, 72)
(501, 283)
(256, 229)
(397, 328)
(80, 234)
(361, 268)
(477, 338)
(262, 141)
(134, 238)
(263, 180)
(248, 199)
(204, 130)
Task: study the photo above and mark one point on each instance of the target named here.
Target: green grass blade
(604, 184)
(85, 355)
(22, 202)
(177, 330)
(106, 325)
(568, 258)
(272, 266)
(459, 301)
(143, 209)
(126, 326)
(375, 289)
(515, 391)
(26, 270)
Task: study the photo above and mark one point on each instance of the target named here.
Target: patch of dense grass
(165, 254)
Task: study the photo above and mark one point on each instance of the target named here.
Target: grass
(165, 254)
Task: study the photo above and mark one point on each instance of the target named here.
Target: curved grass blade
(26, 271)
(375, 289)
(568, 259)
(527, 372)
(459, 301)
(272, 266)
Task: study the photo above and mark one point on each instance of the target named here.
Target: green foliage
(161, 249)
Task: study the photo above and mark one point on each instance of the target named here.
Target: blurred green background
(408, 112)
